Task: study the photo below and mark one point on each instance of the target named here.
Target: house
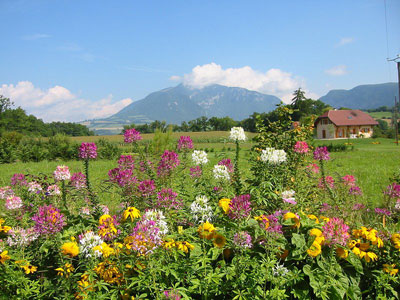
(344, 124)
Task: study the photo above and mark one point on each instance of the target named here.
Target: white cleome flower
(201, 211)
(199, 157)
(221, 172)
(158, 217)
(273, 156)
(237, 134)
(88, 241)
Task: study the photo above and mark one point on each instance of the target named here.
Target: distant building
(336, 124)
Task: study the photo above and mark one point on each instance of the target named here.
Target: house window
(325, 122)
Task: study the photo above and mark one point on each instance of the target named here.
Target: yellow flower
(29, 269)
(263, 219)
(325, 219)
(4, 257)
(170, 244)
(104, 218)
(206, 230)
(390, 269)
(312, 217)
(370, 256)
(224, 204)
(180, 229)
(219, 240)
(294, 217)
(60, 271)
(4, 229)
(71, 249)
(359, 248)
(104, 249)
(314, 250)
(131, 212)
(396, 240)
(315, 232)
(342, 253)
(184, 246)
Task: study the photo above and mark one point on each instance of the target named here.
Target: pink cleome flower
(321, 153)
(301, 147)
(131, 135)
(88, 151)
(185, 143)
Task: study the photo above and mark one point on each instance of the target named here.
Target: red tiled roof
(348, 117)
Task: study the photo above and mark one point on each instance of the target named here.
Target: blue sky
(71, 60)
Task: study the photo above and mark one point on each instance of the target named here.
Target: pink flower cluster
(146, 165)
(78, 180)
(321, 153)
(227, 163)
(349, 180)
(166, 198)
(335, 231)
(13, 202)
(382, 211)
(18, 179)
(145, 237)
(301, 147)
(48, 220)
(88, 151)
(172, 295)
(122, 177)
(53, 190)
(21, 237)
(126, 162)
(242, 240)
(146, 188)
(314, 168)
(131, 135)
(240, 207)
(195, 172)
(168, 162)
(355, 191)
(62, 173)
(330, 182)
(393, 191)
(34, 187)
(5, 192)
(185, 143)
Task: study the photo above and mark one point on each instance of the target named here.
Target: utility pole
(396, 103)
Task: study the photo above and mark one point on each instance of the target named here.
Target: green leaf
(355, 262)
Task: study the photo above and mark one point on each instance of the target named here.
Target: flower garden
(284, 227)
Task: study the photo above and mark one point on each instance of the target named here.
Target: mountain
(363, 96)
(183, 103)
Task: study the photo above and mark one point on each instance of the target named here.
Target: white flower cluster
(221, 172)
(88, 241)
(34, 187)
(158, 217)
(5, 192)
(201, 211)
(199, 157)
(237, 134)
(21, 237)
(279, 270)
(53, 190)
(273, 156)
(288, 194)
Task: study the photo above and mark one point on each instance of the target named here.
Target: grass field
(371, 164)
(381, 114)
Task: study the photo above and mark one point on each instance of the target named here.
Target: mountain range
(183, 103)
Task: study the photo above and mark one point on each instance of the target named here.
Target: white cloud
(337, 70)
(175, 78)
(59, 104)
(35, 36)
(274, 81)
(345, 41)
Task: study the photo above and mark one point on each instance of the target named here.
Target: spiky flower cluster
(34, 187)
(145, 238)
(158, 217)
(273, 156)
(131, 135)
(18, 179)
(166, 198)
(126, 162)
(53, 190)
(78, 180)
(185, 143)
(321, 153)
(227, 162)
(122, 177)
(240, 207)
(393, 191)
(88, 151)
(48, 220)
(201, 211)
(108, 227)
(87, 242)
(288, 197)
(329, 181)
(196, 172)
(301, 147)
(335, 231)
(146, 188)
(21, 237)
(168, 162)
(6, 192)
(221, 172)
(242, 239)
(62, 173)
(237, 134)
(13, 202)
(199, 157)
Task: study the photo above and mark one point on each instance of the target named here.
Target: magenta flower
(242, 240)
(358, 206)
(393, 191)
(6, 192)
(146, 188)
(355, 190)
(166, 198)
(132, 135)
(78, 180)
(126, 162)
(146, 165)
(146, 237)
(88, 151)
(239, 207)
(325, 207)
(382, 211)
(122, 177)
(349, 180)
(335, 231)
(195, 172)
(301, 147)
(321, 153)
(13, 202)
(313, 168)
(168, 162)
(48, 220)
(330, 182)
(185, 143)
(227, 163)
(171, 294)
(18, 179)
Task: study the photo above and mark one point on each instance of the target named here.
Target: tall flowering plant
(237, 135)
(87, 152)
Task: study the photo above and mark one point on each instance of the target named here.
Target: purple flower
(242, 240)
(122, 177)
(78, 180)
(18, 179)
(335, 231)
(195, 172)
(393, 190)
(240, 207)
(185, 143)
(131, 135)
(88, 151)
(166, 198)
(146, 188)
(126, 162)
(358, 206)
(227, 163)
(325, 207)
(48, 220)
(321, 153)
(146, 237)
(382, 211)
(171, 294)
(168, 162)
(355, 190)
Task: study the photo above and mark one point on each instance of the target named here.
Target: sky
(66, 60)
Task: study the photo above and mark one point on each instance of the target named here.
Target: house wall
(333, 132)
(329, 130)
